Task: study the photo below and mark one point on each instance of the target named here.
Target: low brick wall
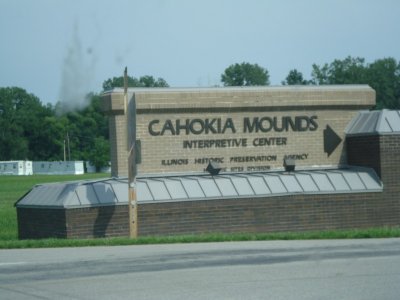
(272, 214)
(90, 222)
(288, 213)
(97, 222)
(36, 223)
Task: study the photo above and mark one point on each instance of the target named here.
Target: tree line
(383, 75)
(32, 130)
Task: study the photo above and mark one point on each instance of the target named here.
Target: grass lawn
(13, 188)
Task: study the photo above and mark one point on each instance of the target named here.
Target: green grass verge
(205, 238)
(14, 187)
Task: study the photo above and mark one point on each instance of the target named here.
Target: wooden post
(130, 113)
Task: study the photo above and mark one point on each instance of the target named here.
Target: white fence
(16, 167)
(58, 167)
(26, 167)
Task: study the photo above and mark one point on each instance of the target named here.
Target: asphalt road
(334, 269)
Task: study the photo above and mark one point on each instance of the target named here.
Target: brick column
(364, 151)
(380, 152)
(113, 105)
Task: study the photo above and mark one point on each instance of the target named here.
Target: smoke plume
(77, 75)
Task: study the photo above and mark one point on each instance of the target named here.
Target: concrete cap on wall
(148, 99)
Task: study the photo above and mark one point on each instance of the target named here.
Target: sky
(60, 50)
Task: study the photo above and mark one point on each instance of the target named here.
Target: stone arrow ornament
(331, 140)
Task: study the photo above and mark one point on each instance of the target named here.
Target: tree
(149, 81)
(84, 128)
(295, 78)
(348, 71)
(51, 138)
(144, 81)
(245, 74)
(21, 124)
(31, 130)
(99, 155)
(383, 75)
(12, 142)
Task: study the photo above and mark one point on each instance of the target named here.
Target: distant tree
(84, 129)
(149, 81)
(348, 71)
(21, 124)
(31, 130)
(245, 74)
(99, 155)
(383, 75)
(320, 74)
(51, 138)
(144, 81)
(295, 78)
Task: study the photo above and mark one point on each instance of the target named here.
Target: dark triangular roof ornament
(213, 168)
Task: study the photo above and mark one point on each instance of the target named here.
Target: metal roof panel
(338, 181)
(354, 181)
(322, 181)
(375, 122)
(209, 187)
(143, 192)
(371, 182)
(275, 184)
(392, 119)
(158, 190)
(242, 185)
(203, 186)
(193, 188)
(72, 200)
(120, 190)
(291, 184)
(259, 185)
(104, 192)
(226, 187)
(306, 182)
(176, 189)
(86, 195)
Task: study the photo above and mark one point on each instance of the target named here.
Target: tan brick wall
(332, 105)
(307, 144)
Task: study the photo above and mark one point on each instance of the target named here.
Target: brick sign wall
(242, 129)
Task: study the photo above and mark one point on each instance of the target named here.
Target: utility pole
(130, 113)
(69, 150)
(64, 151)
